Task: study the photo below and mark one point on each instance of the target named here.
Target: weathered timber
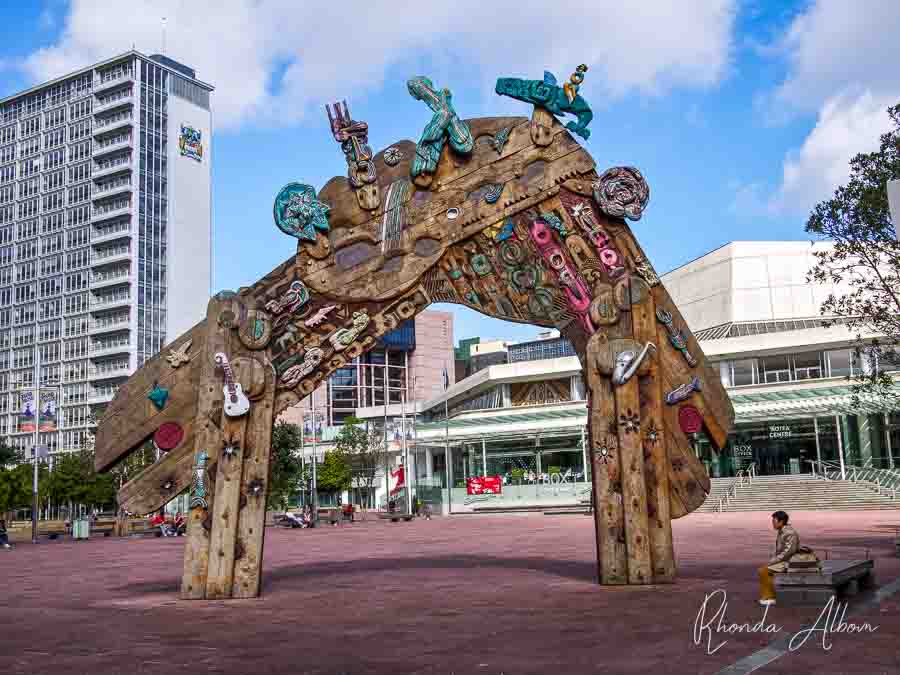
(510, 229)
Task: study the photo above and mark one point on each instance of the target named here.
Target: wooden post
(207, 439)
(606, 474)
(655, 454)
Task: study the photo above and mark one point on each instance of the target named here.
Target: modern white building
(105, 234)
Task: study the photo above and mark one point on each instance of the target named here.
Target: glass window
(808, 365)
(744, 372)
(777, 368)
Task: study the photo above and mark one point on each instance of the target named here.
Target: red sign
(480, 485)
(168, 436)
(689, 419)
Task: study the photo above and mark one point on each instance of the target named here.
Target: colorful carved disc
(168, 436)
(256, 330)
(689, 419)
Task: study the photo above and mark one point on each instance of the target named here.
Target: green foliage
(364, 450)
(865, 259)
(333, 475)
(287, 470)
(8, 454)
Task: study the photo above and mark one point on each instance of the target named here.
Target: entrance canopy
(818, 402)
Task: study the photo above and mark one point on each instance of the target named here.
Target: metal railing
(747, 474)
(884, 481)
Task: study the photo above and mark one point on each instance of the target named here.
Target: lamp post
(37, 452)
(314, 411)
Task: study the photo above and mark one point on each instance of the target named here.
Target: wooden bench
(396, 517)
(838, 578)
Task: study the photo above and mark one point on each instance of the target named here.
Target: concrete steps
(798, 493)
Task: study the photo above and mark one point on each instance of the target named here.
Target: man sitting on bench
(786, 544)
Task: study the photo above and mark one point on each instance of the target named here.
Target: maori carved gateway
(506, 215)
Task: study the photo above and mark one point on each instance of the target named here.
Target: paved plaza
(467, 594)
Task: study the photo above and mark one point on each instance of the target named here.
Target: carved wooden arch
(524, 229)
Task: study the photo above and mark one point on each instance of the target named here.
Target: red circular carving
(689, 419)
(168, 436)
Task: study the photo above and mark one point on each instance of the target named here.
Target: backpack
(804, 560)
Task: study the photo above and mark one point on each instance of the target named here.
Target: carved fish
(319, 316)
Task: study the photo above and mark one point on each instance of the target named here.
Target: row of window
(791, 367)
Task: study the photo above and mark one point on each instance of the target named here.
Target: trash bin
(81, 529)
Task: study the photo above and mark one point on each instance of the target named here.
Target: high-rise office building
(105, 236)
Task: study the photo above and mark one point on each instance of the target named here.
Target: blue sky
(741, 114)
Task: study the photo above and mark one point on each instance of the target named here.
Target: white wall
(190, 221)
(748, 281)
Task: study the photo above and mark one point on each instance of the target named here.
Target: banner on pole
(27, 413)
(480, 485)
(47, 419)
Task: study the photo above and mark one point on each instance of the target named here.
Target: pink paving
(476, 594)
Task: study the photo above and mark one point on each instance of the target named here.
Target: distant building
(105, 233)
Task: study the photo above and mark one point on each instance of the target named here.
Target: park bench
(838, 578)
(395, 517)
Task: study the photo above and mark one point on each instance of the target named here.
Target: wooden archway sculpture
(505, 215)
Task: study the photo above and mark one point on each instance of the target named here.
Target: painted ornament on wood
(299, 213)
(445, 125)
(548, 95)
(354, 139)
(622, 192)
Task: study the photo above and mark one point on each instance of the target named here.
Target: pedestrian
(4, 536)
(786, 544)
(427, 510)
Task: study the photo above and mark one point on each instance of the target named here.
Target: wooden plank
(606, 470)
(656, 456)
(250, 537)
(207, 434)
(223, 533)
(156, 485)
(131, 418)
(634, 490)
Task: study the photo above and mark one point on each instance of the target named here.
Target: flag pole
(447, 457)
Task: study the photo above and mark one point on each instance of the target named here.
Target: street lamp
(314, 411)
(37, 452)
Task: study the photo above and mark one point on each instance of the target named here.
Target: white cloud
(840, 47)
(320, 51)
(846, 126)
(843, 63)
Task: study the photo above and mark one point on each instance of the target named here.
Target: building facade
(756, 317)
(104, 212)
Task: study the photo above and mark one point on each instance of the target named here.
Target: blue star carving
(299, 213)
(159, 396)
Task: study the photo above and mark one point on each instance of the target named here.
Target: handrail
(732, 489)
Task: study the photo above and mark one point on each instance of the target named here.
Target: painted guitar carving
(236, 402)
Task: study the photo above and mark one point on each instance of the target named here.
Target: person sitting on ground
(786, 544)
(180, 524)
(291, 519)
(307, 516)
(4, 536)
(348, 512)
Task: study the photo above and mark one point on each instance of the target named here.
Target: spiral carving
(622, 192)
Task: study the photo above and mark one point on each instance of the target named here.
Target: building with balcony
(105, 233)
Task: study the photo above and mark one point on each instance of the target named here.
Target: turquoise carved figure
(444, 125)
(298, 213)
(548, 94)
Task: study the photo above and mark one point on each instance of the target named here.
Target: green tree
(865, 258)
(8, 454)
(333, 475)
(287, 469)
(364, 450)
